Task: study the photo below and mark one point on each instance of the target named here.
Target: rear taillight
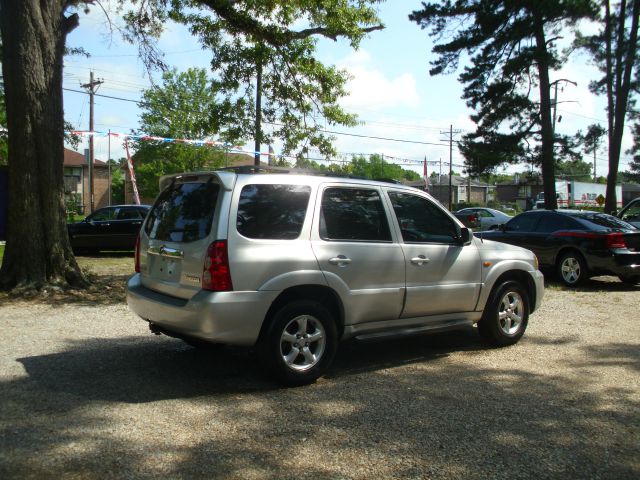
(216, 275)
(137, 254)
(615, 240)
(611, 240)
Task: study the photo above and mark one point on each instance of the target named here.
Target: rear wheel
(572, 269)
(300, 343)
(506, 315)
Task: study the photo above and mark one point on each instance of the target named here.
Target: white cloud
(371, 88)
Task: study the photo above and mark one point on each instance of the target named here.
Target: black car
(109, 228)
(576, 244)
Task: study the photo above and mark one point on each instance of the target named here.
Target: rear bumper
(620, 263)
(232, 318)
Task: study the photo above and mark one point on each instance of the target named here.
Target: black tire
(506, 315)
(300, 342)
(630, 279)
(572, 269)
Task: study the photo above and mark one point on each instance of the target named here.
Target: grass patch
(1, 253)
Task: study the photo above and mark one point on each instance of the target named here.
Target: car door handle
(340, 260)
(420, 260)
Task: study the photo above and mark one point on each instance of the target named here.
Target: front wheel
(300, 343)
(572, 269)
(506, 315)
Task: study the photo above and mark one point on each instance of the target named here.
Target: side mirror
(465, 236)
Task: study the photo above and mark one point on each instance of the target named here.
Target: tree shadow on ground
(399, 409)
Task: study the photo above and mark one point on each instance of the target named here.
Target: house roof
(457, 181)
(75, 159)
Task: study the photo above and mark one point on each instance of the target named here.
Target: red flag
(425, 167)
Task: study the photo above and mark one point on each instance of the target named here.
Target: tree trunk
(620, 81)
(546, 126)
(37, 252)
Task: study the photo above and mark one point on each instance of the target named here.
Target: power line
(142, 103)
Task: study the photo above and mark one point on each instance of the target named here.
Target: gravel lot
(87, 392)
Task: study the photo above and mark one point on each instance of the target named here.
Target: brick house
(76, 181)
(463, 189)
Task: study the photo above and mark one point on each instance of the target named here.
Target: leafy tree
(615, 52)
(183, 107)
(590, 142)
(33, 35)
(576, 169)
(376, 168)
(279, 82)
(634, 165)
(512, 52)
(117, 180)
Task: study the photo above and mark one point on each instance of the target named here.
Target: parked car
(109, 228)
(290, 264)
(630, 213)
(576, 244)
(468, 219)
(488, 218)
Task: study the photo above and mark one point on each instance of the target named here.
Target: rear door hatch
(183, 222)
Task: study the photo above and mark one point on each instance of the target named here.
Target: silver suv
(293, 263)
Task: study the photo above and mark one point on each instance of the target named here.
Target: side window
(553, 222)
(522, 223)
(103, 215)
(483, 213)
(128, 214)
(422, 221)
(274, 212)
(353, 214)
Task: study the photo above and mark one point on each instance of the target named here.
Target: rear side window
(353, 214)
(183, 212)
(274, 212)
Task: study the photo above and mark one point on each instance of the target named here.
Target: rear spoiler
(226, 179)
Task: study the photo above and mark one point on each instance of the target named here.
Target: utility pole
(451, 133)
(91, 87)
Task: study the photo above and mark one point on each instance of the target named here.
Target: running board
(411, 331)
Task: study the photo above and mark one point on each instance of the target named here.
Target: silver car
(489, 218)
(290, 264)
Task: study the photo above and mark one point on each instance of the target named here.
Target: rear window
(183, 212)
(602, 221)
(274, 212)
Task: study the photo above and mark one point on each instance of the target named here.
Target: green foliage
(574, 170)
(184, 106)
(299, 94)
(117, 180)
(512, 50)
(634, 166)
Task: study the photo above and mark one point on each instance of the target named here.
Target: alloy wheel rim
(511, 313)
(302, 342)
(570, 270)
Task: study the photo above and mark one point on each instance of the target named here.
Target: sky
(405, 114)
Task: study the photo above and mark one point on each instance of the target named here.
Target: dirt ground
(87, 392)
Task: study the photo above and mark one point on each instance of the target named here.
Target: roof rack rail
(247, 169)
